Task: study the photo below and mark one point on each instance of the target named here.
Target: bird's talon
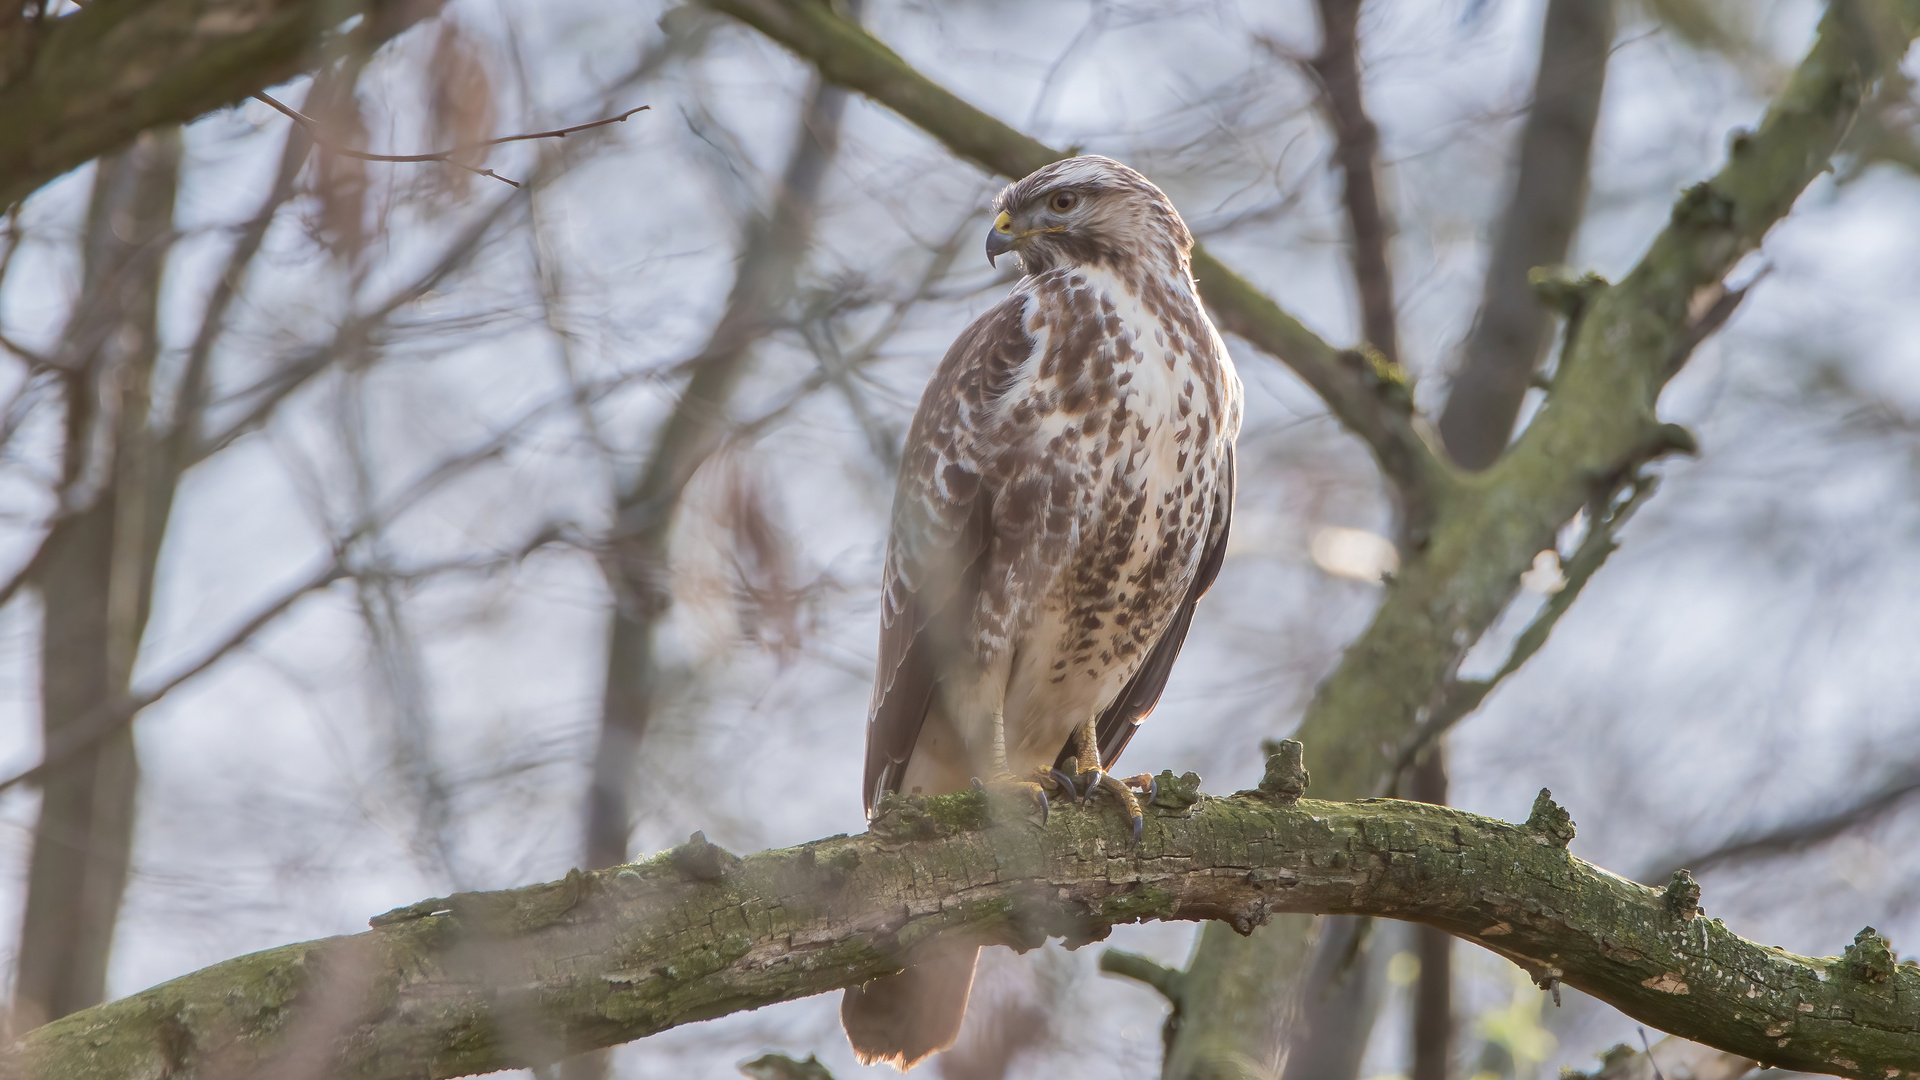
(1090, 782)
(1139, 826)
(1065, 782)
(977, 785)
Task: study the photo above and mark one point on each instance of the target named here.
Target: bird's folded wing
(1142, 692)
(941, 534)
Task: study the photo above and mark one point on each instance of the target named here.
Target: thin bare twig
(1799, 835)
(110, 716)
(315, 131)
(1336, 71)
(1460, 697)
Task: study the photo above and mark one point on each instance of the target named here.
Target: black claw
(1064, 781)
(1046, 808)
(1139, 824)
(1092, 778)
(1153, 789)
(977, 785)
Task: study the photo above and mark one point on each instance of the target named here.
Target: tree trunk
(1433, 990)
(94, 576)
(637, 551)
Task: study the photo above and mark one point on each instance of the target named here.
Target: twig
(1167, 980)
(314, 131)
(110, 716)
(1802, 834)
(1460, 697)
(1646, 1046)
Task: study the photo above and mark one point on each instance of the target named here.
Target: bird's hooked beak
(1000, 238)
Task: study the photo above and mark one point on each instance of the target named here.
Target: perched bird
(1062, 505)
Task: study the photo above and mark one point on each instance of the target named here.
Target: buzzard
(1062, 505)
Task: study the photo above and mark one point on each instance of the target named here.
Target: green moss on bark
(635, 950)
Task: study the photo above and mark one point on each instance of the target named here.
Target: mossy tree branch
(484, 981)
(1370, 396)
(75, 87)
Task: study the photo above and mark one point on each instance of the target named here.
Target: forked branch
(451, 156)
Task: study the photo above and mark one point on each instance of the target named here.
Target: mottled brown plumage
(1063, 503)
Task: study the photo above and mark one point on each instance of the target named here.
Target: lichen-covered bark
(75, 87)
(483, 981)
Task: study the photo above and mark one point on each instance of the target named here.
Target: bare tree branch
(113, 716)
(1458, 697)
(612, 955)
(1598, 426)
(1800, 834)
(1549, 188)
(317, 132)
(637, 548)
(1356, 146)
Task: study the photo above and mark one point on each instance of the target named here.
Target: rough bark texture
(483, 981)
(1510, 335)
(1433, 990)
(76, 87)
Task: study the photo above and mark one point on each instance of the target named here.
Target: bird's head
(1086, 211)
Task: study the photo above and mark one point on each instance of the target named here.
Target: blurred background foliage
(445, 535)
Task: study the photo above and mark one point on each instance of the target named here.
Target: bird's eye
(1063, 201)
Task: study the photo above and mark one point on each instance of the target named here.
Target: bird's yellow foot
(1034, 791)
(1122, 790)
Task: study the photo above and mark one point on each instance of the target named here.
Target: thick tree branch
(1371, 397)
(484, 981)
(76, 87)
(1511, 331)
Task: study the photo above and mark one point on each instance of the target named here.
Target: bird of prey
(1062, 505)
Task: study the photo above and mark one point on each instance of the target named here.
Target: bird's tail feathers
(902, 1019)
